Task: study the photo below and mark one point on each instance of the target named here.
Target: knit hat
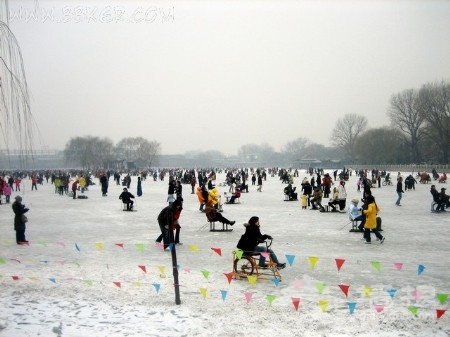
(355, 201)
(253, 220)
(18, 198)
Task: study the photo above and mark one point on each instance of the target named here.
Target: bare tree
(88, 152)
(346, 133)
(405, 115)
(17, 125)
(138, 148)
(434, 105)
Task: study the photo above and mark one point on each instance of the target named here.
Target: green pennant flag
(239, 254)
(320, 287)
(88, 282)
(205, 274)
(140, 246)
(414, 310)
(2, 261)
(270, 298)
(442, 298)
(376, 265)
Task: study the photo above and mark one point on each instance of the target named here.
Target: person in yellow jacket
(214, 198)
(82, 183)
(371, 220)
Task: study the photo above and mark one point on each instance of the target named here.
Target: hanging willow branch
(16, 122)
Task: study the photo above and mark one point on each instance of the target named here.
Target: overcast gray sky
(215, 75)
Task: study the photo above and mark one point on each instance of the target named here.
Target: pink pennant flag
(62, 244)
(297, 284)
(248, 297)
(218, 251)
(416, 295)
(398, 266)
(265, 254)
(143, 269)
(379, 307)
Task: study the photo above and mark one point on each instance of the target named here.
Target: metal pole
(174, 267)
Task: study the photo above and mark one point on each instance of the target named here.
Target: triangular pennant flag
(160, 246)
(157, 286)
(295, 302)
(137, 284)
(323, 305)
(276, 281)
(224, 294)
(218, 251)
(320, 287)
(414, 310)
(252, 279)
(119, 245)
(379, 307)
(297, 284)
(229, 277)
(312, 261)
(118, 284)
(416, 294)
(143, 269)
(420, 269)
(351, 307)
(53, 280)
(391, 292)
(248, 297)
(162, 269)
(15, 278)
(205, 274)
(203, 291)
(265, 254)
(270, 299)
(43, 244)
(442, 298)
(33, 278)
(88, 282)
(398, 266)
(187, 270)
(2, 261)
(193, 248)
(6, 242)
(140, 246)
(77, 247)
(99, 245)
(290, 259)
(367, 290)
(339, 263)
(344, 288)
(439, 313)
(62, 244)
(376, 265)
(239, 254)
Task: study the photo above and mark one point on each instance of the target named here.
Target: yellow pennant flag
(203, 291)
(193, 248)
(137, 284)
(162, 269)
(43, 244)
(367, 290)
(252, 279)
(99, 245)
(312, 261)
(323, 305)
(33, 278)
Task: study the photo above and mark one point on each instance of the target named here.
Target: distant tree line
(419, 132)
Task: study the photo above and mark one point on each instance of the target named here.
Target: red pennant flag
(229, 277)
(344, 289)
(339, 263)
(118, 284)
(439, 313)
(143, 269)
(119, 245)
(218, 251)
(295, 302)
(15, 278)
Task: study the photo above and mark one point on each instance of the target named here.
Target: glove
(25, 210)
(269, 237)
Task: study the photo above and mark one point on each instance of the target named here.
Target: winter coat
(371, 216)
(251, 238)
(342, 192)
(210, 212)
(214, 196)
(19, 210)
